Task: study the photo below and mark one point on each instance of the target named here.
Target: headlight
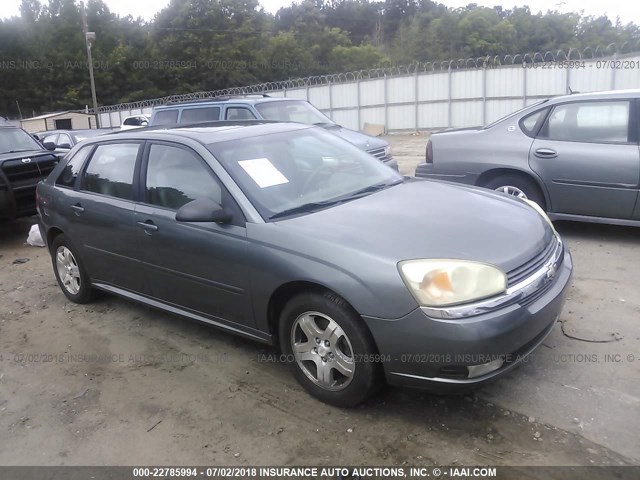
(542, 213)
(438, 283)
(387, 151)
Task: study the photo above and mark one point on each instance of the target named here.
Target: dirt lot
(167, 391)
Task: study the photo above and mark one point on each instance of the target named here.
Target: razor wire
(571, 54)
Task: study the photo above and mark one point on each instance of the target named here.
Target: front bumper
(436, 353)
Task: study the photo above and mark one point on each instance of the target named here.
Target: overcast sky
(627, 10)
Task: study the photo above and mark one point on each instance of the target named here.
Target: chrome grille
(524, 271)
(379, 154)
(525, 302)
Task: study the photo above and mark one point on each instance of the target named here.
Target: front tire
(518, 186)
(330, 349)
(70, 272)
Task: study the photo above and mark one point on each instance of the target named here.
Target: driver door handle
(148, 226)
(77, 208)
(546, 153)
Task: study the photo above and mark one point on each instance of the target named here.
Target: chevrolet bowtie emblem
(551, 271)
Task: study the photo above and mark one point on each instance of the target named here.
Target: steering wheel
(313, 178)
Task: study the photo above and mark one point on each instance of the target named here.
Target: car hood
(427, 219)
(360, 140)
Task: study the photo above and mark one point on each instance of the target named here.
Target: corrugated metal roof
(56, 114)
(47, 115)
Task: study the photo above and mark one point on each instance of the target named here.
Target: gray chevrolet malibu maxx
(577, 156)
(289, 235)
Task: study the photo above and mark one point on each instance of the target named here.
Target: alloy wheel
(323, 351)
(511, 190)
(68, 270)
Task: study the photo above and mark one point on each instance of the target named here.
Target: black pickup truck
(23, 163)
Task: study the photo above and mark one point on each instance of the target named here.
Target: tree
(195, 45)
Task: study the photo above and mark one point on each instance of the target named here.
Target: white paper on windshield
(263, 172)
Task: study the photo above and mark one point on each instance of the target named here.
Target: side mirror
(49, 146)
(65, 146)
(144, 123)
(203, 210)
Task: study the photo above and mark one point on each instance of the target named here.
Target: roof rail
(209, 123)
(218, 97)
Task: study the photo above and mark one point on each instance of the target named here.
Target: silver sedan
(577, 156)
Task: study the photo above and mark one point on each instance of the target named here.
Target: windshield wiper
(310, 207)
(370, 189)
(326, 125)
(305, 208)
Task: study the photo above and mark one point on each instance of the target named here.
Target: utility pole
(88, 38)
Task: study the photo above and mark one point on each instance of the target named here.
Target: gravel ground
(408, 150)
(168, 391)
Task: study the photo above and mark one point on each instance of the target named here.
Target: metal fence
(433, 95)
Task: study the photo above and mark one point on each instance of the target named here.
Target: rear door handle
(77, 208)
(546, 153)
(148, 226)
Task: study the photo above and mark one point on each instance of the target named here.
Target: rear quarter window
(531, 124)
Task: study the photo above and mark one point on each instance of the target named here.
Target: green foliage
(194, 45)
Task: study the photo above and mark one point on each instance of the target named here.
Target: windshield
(292, 111)
(301, 170)
(17, 140)
(516, 113)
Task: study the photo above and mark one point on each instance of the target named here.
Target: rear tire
(69, 271)
(518, 186)
(334, 351)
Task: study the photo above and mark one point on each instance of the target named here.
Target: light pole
(88, 38)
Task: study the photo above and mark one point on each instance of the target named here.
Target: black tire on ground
(366, 377)
(526, 185)
(85, 293)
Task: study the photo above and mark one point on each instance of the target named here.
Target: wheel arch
(52, 233)
(488, 175)
(287, 291)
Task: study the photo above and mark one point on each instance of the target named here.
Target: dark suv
(263, 107)
(23, 163)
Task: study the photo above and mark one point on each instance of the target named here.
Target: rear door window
(51, 139)
(64, 141)
(110, 170)
(134, 121)
(166, 117)
(198, 115)
(239, 113)
(71, 171)
(589, 122)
